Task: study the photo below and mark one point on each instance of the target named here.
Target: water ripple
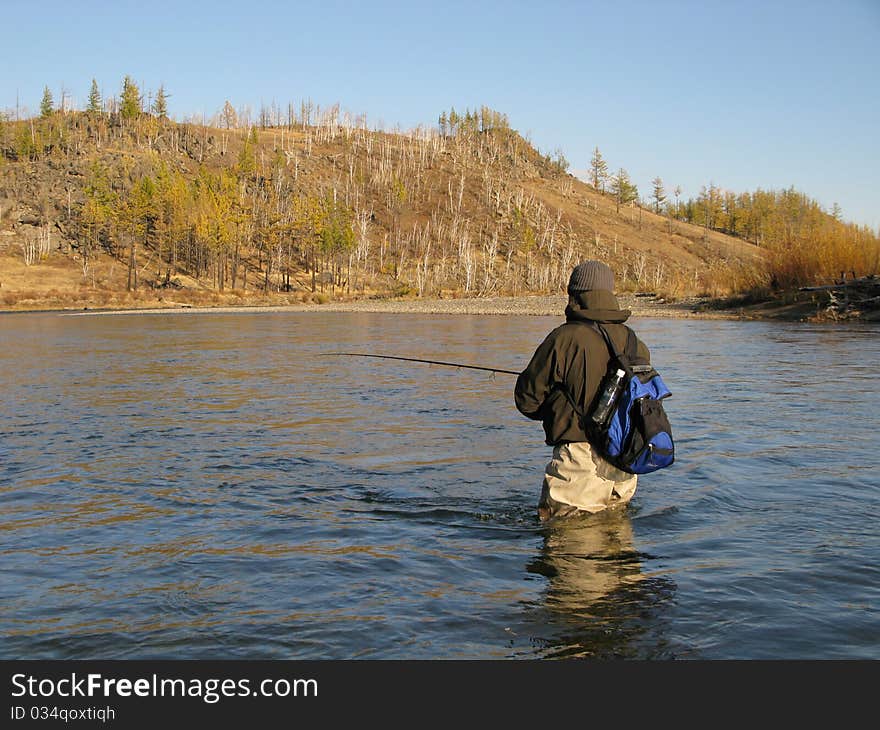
(208, 487)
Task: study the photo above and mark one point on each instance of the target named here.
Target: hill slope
(106, 211)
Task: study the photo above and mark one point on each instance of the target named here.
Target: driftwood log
(853, 298)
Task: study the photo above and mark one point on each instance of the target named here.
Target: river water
(214, 485)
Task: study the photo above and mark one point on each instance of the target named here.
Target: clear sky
(740, 93)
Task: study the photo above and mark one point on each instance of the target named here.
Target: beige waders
(579, 480)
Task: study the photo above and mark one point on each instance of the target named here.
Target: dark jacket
(573, 355)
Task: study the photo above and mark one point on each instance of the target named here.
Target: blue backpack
(635, 436)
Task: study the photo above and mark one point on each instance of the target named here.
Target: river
(215, 485)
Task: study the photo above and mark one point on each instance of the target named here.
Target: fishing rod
(417, 359)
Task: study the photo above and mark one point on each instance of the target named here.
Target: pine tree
(47, 105)
(160, 105)
(130, 106)
(247, 159)
(230, 118)
(598, 171)
(676, 191)
(559, 161)
(454, 120)
(622, 188)
(96, 104)
(659, 193)
(709, 204)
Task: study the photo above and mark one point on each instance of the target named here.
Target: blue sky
(743, 94)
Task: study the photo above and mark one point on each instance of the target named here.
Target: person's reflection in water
(599, 601)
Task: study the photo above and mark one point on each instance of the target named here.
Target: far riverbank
(539, 305)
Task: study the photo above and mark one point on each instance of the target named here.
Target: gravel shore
(641, 306)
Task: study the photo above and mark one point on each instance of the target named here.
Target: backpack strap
(631, 363)
(630, 350)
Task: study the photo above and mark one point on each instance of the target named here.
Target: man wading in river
(574, 356)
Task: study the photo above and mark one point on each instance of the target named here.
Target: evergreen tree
(47, 105)
(598, 171)
(230, 118)
(709, 205)
(247, 159)
(622, 188)
(130, 106)
(454, 120)
(160, 105)
(659, 193)
(96, 104)
(559, 161)
(676, 191)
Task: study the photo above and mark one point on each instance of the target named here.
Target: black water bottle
(613, 386)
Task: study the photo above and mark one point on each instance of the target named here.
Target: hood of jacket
(598, 305)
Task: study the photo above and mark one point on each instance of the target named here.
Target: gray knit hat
(590, 275)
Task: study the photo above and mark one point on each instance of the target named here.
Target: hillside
(102, 211)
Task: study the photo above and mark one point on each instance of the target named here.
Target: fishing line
(417, 359)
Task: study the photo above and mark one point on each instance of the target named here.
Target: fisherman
(574, 356)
